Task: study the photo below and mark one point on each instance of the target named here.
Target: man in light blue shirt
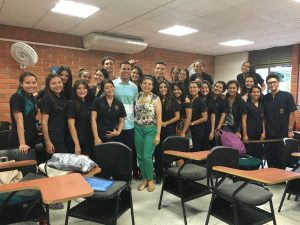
(125, 91)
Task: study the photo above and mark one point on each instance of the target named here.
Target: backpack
(231, 140)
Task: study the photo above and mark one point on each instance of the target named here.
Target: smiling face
(159, 70)
(64, 75)
(194, 89)
(81, 91)
(273, 84)
(147, 86)
(163, 90)
(204, 89)
(249, 82)
(86, 76)
(218, 89)
(177, 91)
(125, 72)
(109, 65)
(99, 76)
(56, 85)
(135, 76)
(198, 67)
(245, 67)
(174, 73)
(255, 93)
(29, 84)
(232, 89)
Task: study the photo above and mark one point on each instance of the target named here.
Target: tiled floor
(146, 212)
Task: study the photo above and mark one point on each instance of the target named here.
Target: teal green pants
(144, 145)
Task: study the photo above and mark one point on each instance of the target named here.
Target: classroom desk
(266, 176)
(222, 208)
(200, 155)
(4, 166)
(54, 189)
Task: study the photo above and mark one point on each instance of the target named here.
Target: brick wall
(54, 56)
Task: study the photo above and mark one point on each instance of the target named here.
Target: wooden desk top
(296, 154)
(14, 165)
(266, 176)
(55, 189)
(262, 141)
(200, 155)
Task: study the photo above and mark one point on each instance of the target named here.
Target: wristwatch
(290, 129)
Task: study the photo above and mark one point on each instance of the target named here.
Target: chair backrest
(115, 161)
(290, 145)
(15, 154)
(175, 143)
(296, 135)
(221, 156)
(4, 139)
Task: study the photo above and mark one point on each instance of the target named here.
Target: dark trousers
(274, 153)
(158, 153)
(198, 138)
(127, 138)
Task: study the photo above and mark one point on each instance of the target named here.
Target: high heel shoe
(142, 186)
(151, 186)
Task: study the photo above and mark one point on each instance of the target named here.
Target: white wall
(228, 66)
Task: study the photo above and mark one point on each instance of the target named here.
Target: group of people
(141, 111)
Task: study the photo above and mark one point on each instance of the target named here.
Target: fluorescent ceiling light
(74, 9)
(237, 42)
(297, 1)
(137, 43)
(178, 30)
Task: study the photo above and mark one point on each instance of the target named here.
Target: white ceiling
(268, 23)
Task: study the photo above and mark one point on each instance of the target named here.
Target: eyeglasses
(272, 82)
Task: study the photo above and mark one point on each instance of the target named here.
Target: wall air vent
(104, 42)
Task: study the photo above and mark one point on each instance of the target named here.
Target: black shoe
(137, 175)
(158, 180)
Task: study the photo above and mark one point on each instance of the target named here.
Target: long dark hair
(181, 86)
(76, 99)
(169, 101)
(50, 93)
(68, 84)
(209, 98)
(29, 106)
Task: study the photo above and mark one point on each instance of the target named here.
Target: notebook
(99, 184)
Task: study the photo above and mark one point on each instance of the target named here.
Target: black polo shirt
(168, 114)
(82, 119)
(17, 104)
(198, 107)
(183, 106)
(221, 107)
(277, 112)
(255, 116)
(57, 116)
(107, 117)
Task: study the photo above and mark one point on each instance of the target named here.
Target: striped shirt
(126, 94)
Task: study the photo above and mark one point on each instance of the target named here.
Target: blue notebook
(99, 184)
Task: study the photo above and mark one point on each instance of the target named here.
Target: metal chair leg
(272, 211)
(67, 213)
(131, 208)
(161, 193)
(209, 209)
(283, 197)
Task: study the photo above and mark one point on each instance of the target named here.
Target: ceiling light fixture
(74, 9)
(237, 42)
(178, 30)
(297, 1)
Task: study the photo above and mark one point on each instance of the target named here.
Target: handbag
(231, 140)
